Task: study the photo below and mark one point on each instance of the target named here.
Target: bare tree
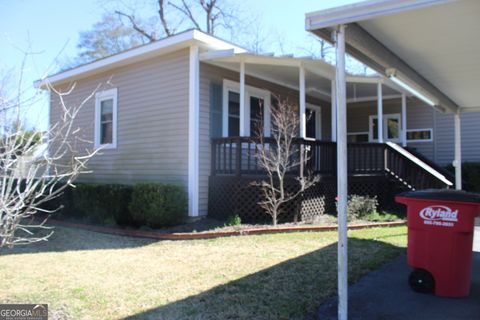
(215, 14)
(23, 196)
(279, 155)
(107, 37)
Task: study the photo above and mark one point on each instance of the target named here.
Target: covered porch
(309, 86)
(377, 111)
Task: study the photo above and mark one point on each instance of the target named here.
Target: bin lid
(443, 194)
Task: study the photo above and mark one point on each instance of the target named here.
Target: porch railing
(237, 156)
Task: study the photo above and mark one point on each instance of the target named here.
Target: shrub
(233, 220)
(100, 203)
(158, 205)
(470, 175)
(361, 206)
(115, 198)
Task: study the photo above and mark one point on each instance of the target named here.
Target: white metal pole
(342, 178)
(379, 112)
(404, 119)
(193, 131)
(303, 119)
(242, 99)
(458, 152)
(334, 111)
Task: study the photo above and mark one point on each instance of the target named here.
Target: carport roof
(431, 44)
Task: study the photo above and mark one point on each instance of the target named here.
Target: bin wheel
(421, 281)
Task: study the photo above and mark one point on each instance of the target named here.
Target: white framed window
(256, 109)
(391, 127)
(106, 119)
(420, 135)
(314, 122)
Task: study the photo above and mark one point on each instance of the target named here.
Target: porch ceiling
(434, 43)
(318, 75)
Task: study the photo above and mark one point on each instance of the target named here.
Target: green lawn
(87, 275)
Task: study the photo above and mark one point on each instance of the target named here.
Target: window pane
(106, 110)
(107, 106)
(375, 129)
(106, 133)
(393, 130)
(233, 127)
(256, 115)
(311, 124)
(233, 104)
(233, 114)
(419, 135)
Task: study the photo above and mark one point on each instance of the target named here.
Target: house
(181, 109)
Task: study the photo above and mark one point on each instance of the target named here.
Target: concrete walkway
(385, 294)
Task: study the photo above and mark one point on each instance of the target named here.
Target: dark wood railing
(237, 156)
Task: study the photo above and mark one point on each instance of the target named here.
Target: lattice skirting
(229, 195)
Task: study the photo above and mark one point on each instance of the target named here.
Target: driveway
(385, 294)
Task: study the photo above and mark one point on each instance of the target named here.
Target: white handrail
(419, 162)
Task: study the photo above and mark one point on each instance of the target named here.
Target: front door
(391, 128)
(314, 122)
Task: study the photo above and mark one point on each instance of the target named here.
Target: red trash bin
(440, 238)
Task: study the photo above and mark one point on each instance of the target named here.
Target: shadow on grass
(289, 290)
(71, 239)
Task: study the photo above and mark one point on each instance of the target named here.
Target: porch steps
(412, 171)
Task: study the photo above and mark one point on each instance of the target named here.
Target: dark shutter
(215, 110)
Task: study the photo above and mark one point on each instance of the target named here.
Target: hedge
(158, 205)
(470, 175)
(149, 204)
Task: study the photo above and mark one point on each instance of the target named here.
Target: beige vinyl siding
(444, 135)
(209, 74)
(420, 116)
(152, 128)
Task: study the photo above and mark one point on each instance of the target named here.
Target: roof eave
(363, 11)
(359, 43)
(176, 42)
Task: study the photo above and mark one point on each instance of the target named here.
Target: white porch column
(379, 112)
(404, 120)
(303, 117)
(334, 112)
(193, 131)
(458, 152)
(242, 100)
(342, 178)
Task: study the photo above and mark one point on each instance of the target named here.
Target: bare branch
(185, 9)
(136, 26)
(161, 14)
